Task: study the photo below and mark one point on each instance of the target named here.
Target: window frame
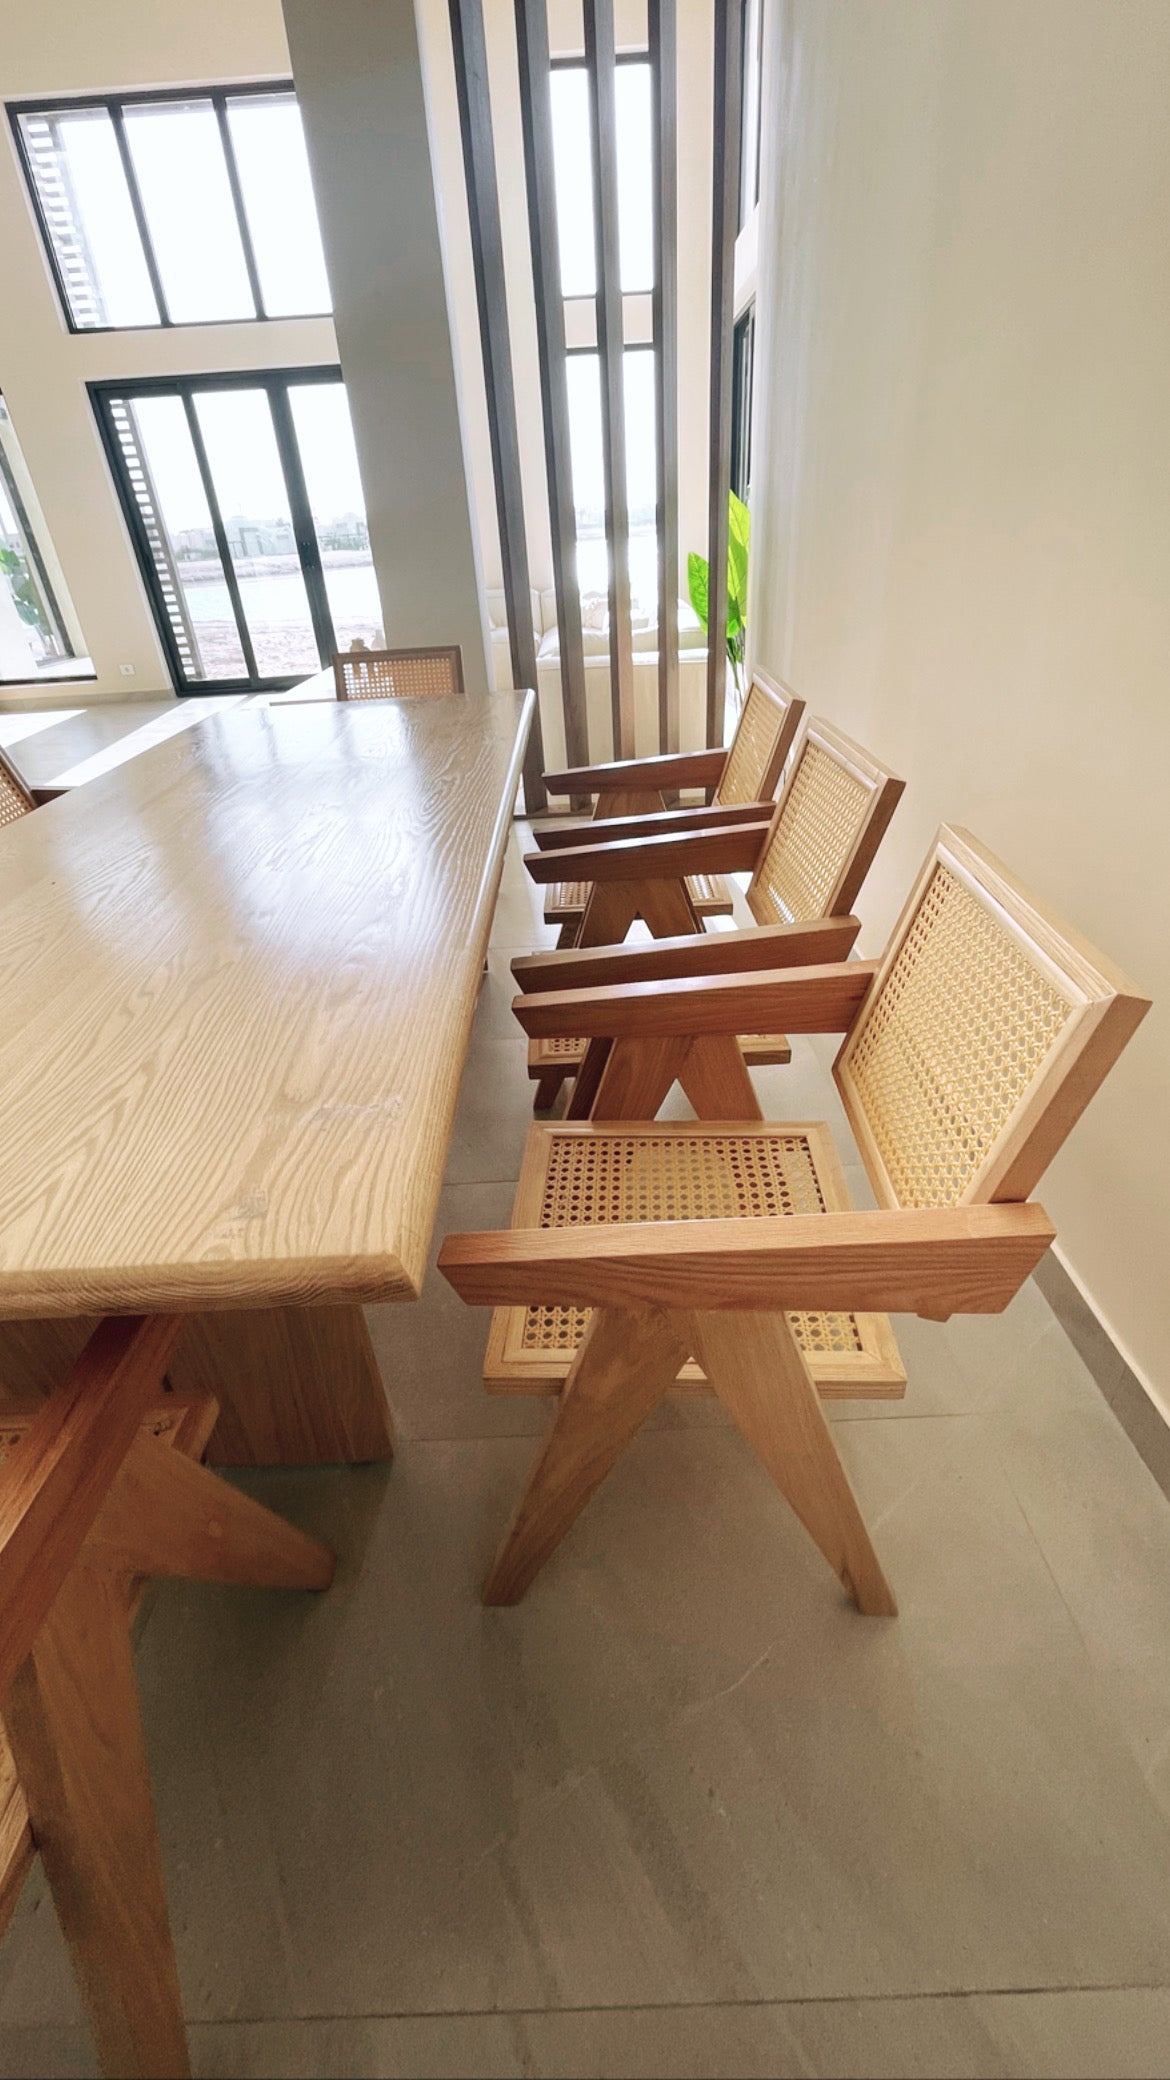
(104, 393)
(219, 96)
(743, 371)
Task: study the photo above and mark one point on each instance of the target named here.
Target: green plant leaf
(738, 538)
(697, 574)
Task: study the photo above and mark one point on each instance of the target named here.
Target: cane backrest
(830, 819)
(15, 799)
(989, 1026)
(768, 722)
(378, 675)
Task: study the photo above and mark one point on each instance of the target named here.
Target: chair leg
(609, 912)
(75, 1729)
(623, 1368)
(717, 1081)
(758, 1371)
(167, 1515)
(638, 1075)
(548, 1089)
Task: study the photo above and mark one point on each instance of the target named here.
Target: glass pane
(329, 462)
(635, 177)
(584, 381)
(253, 501)
(269, 144)
(573, 162)
(641, 478)
(169, 490)
(750, 87)
(178, 160)
(77, 172)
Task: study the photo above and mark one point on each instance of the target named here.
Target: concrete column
(362, 89)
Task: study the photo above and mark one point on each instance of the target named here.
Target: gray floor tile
(494, 1112)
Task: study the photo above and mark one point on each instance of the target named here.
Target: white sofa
(692, 674)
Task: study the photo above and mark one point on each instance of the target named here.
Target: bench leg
(623, 1368)
(75, 1728)
(759, 1373)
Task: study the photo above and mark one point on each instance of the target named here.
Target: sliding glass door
(244, 501)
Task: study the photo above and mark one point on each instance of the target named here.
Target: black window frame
(219, 96)
(743, 361)
(275, 381)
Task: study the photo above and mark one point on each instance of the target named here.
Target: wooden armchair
(746, 773)
(808, 864)
(649, 1255)
(99, 1489)
(378, 675)
(15, 798)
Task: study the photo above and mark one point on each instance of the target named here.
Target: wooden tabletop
(238, 976)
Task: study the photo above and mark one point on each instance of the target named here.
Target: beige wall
(962, 489)
(61, 47)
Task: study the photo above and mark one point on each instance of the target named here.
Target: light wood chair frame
(555, 1056)
(90, 1503)
(738, 787)
(719, 1291)
(450, 653)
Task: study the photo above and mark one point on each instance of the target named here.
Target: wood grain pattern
(625, 1365)
(239, 976)
(297, 1386)
(672, 769)
(75, 1728)
(712, 953)
(966, 1260)
(714, 850)
(657, 823)
(799, 1000)
(759, 1373)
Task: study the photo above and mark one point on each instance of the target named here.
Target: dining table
(239, 973)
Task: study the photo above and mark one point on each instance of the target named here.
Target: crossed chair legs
(89, 1504)
(625, 1364)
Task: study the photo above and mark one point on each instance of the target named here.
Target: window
(742, 372)
(245, 504)
(573, 168)
(36, 619)
(176, 208)
(750, 88)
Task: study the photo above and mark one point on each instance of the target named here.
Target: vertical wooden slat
(600, 57)
(483, 207)
(724, 225)
(664, 92)
(536, 126)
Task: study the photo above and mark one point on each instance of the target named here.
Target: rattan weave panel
(752, 746)
(957, 1032)
(814, 839)
(14, 803)
(382, 675)
(656, 1178)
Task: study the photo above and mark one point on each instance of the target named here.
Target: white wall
(961, 505)
(59, 47)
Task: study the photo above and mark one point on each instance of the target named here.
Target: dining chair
(727, 1254)
(378, 675)
(100, 1487)
(15, 798)
(808, 864)
(747, 771)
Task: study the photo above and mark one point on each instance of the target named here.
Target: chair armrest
(730, 851)
(696, 953)
(658, 824)
(944, 1260)
(676, 769)
(800, 1000)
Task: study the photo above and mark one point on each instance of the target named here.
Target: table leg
(297, 1386)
